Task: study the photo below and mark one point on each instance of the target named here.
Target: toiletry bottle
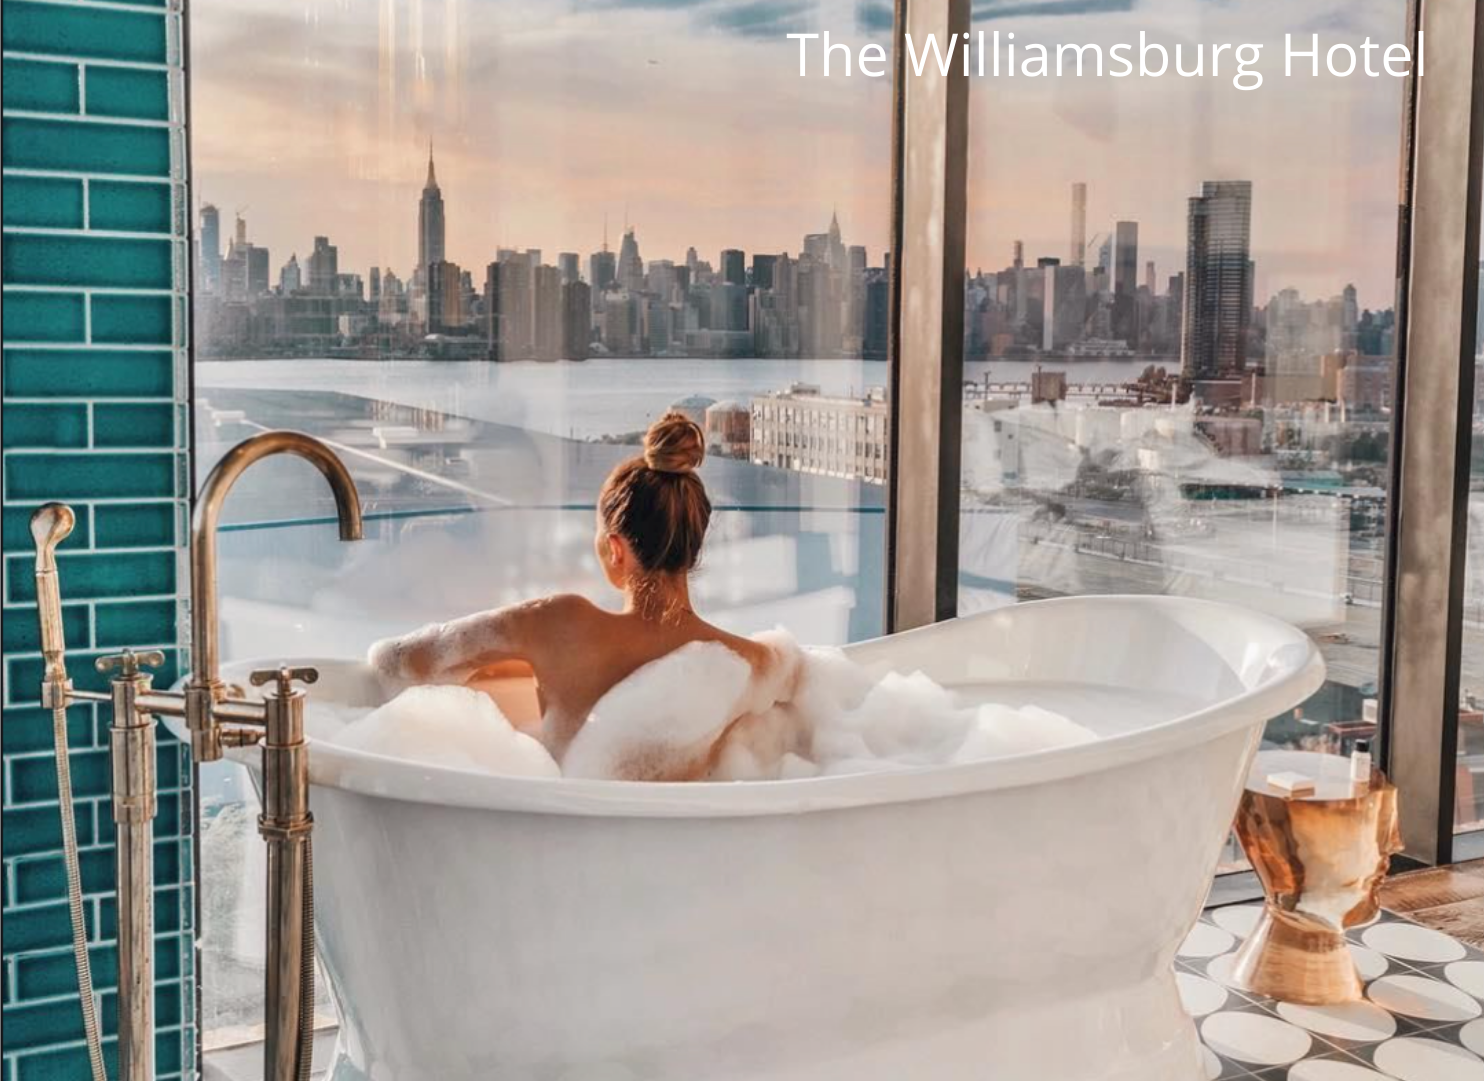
(1360, 763)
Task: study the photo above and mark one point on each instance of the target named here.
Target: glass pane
(1179, 329)
(1469, 798)
(480, 245)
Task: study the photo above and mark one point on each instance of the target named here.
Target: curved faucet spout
(204, 688)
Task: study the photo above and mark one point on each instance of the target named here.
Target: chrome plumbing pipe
(132, 753)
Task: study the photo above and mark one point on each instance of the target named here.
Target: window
(1179, 332)
(1469, 792)
(479, 246)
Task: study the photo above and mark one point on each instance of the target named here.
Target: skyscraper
(1218, 282)
(1126, 282)
(548, 311)
(577, 320)
(567, 263)
(445, 296)
(1079, 224)
(430, 221)
(290, 280)
(763, 269)
(211, 249)
(602, 268)
(733, 266)
(324, 266)
(630, 266)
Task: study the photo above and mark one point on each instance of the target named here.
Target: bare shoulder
(559, 615)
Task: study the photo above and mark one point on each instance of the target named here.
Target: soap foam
(703, 711)
(448, 726)
(842, 718)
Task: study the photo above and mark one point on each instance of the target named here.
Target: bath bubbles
(842, 718)
(704, 712)
(447, 726)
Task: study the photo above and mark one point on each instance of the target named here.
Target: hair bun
(674, 444)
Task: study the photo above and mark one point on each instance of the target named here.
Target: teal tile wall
(94, 371)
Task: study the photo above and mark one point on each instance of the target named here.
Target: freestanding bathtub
(1013, 919)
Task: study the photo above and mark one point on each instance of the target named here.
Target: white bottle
(1360, 762)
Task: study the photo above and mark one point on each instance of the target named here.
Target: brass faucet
(205, 695)
(276, 723)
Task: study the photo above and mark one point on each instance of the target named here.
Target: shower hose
(74, 896)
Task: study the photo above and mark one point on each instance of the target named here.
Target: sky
(688, 120)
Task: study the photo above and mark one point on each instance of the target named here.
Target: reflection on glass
(479, 245)
(1469, 798)
(1179, 336)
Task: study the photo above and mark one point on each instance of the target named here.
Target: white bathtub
(1012, 920)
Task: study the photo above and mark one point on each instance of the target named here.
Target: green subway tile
(100, 575)
(18, 528)
(132, 320)
(84, 147)
(43, 202)
(127, 92)
(26, 730)
(44, 927)
(167, 813)
(82, 373)
(98, 33)
(40, 87)
(34, 780)
(134, 424)
(24, 673)
(167, 777)
(46, 975)
(88, 476)
(142, 623)
(53, 1064)
(130, 207)
(22, 634)
(38, 829)
(167, 1002)
(31, 425)
(87, 262)
(44, 317)
(41, 1026)
(134, 525)
(44, 878)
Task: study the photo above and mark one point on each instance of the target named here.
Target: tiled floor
(1422, 1018)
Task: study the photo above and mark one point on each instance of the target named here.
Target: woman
(652, 519)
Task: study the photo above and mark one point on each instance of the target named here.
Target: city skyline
(696, 132)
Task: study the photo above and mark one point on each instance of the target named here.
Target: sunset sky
(688, 118)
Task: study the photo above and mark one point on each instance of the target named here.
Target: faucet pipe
(205, 691)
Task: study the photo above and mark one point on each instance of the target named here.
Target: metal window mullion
(930, 134)
(1432, 445)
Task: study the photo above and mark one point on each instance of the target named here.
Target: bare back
(576, 651)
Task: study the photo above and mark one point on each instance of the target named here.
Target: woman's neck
(659, 599)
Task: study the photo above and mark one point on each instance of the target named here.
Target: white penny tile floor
(1422, 1018)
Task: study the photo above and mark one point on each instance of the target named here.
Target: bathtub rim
(384, 777)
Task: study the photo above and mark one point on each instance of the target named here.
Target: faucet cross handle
(128, 662)
(284, 677)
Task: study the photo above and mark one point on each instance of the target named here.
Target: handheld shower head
(50, 526)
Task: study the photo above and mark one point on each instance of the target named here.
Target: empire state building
(429, 223)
